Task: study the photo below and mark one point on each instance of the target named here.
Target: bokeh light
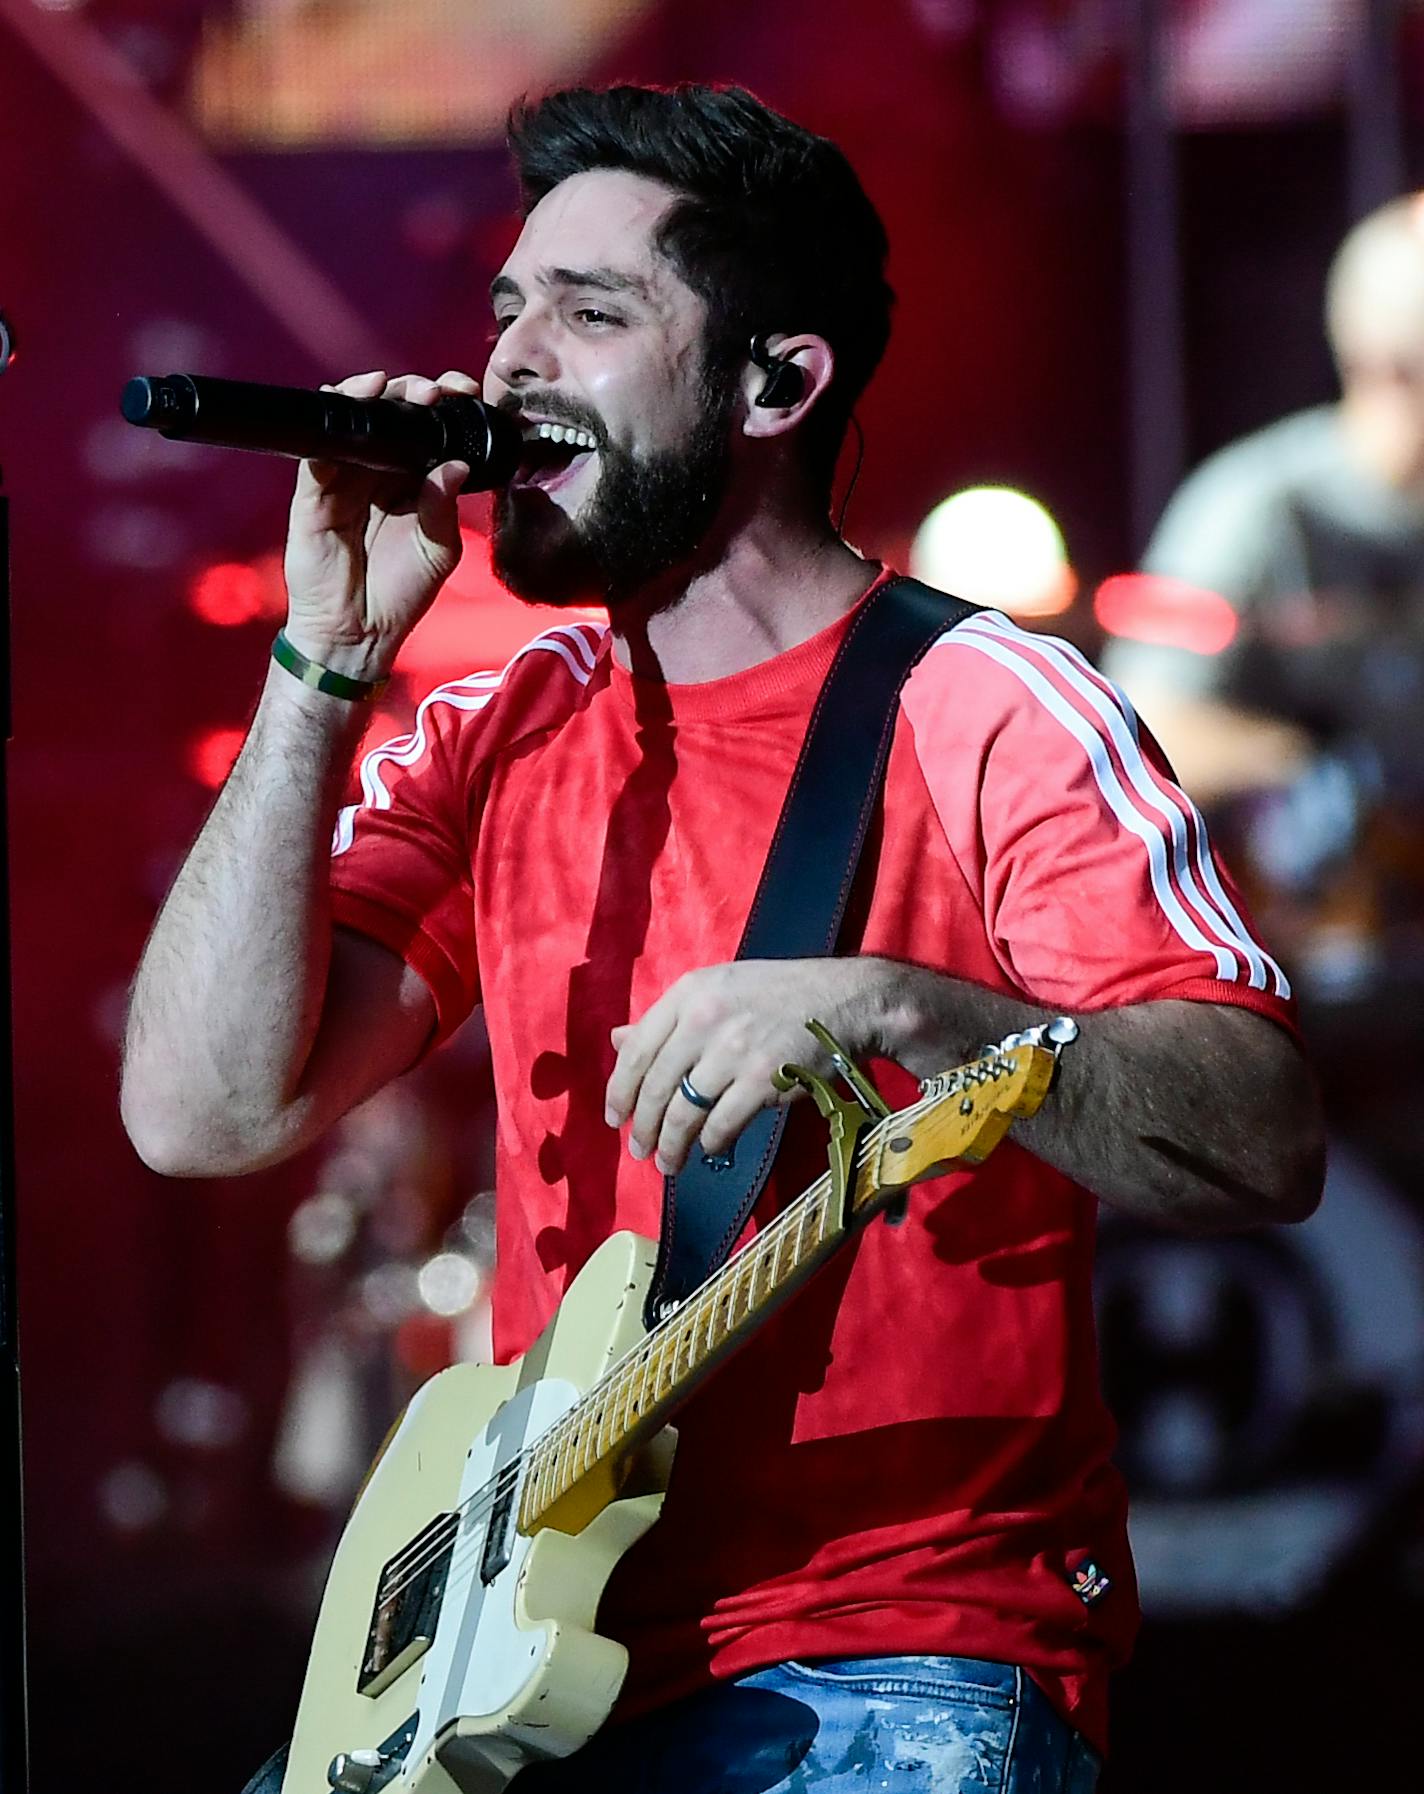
(995, 546)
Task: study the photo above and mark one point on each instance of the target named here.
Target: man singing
(893, 1549)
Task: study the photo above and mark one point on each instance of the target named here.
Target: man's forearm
(1195, 1115)
(229, 992)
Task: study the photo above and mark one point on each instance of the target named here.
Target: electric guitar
(455, 1642)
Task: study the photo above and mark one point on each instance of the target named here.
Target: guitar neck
(965, 1115)
(634, 1399)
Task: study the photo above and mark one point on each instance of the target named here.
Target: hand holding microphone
(374, 531)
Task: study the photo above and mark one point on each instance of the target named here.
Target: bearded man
(893, 1543)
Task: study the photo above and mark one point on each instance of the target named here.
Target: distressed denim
(907, 1725)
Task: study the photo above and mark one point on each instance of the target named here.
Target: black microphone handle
(390, 435)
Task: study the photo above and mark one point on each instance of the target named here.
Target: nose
(524, 352)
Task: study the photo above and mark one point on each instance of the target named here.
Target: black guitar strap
(802, 896)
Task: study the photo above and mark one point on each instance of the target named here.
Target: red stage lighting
(1170, 613)
(230, 593)
(210, 754)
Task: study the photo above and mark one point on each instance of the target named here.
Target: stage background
(293, 191)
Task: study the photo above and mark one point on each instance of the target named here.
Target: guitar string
(641, 1357)
(621, 1374)
(623, 1371)
(766, 1245)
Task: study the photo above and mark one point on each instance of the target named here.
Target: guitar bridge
(407, 1605)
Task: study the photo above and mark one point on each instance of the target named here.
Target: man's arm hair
(1199, 1116)
(254, 1024)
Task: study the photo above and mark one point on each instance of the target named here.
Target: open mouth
(552, 454)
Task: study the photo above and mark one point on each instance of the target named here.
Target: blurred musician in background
(1305, 733)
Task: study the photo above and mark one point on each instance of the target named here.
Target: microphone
(391, 435)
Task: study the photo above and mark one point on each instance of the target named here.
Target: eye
(500, 323)
(597, 318)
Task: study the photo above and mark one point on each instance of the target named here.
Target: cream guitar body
(512, 1670)
(455, 1642)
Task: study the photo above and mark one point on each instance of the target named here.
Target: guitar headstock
(963, 1114)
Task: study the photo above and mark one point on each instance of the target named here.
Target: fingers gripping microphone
(391, 435)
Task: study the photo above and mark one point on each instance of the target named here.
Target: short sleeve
(401, 854)
(1097, 882)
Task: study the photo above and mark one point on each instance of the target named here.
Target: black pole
(1156, 398)
(14, 1738)
(1376, 148)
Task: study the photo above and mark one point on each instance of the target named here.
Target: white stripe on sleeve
(471, 694)
(1227, 968)
(1213, 908)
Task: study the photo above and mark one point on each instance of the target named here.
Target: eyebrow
(603, 280)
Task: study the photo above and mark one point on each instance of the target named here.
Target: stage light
(998, 547)
(211, 753)
(133, 1497)
(194, 1412)
(448, 1283)
(229, 594)
(1168, 613)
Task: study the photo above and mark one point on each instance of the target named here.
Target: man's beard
(646, 516)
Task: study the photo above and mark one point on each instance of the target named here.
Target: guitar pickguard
(481, 1657)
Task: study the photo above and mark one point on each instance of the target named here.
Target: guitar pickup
(407, 1607)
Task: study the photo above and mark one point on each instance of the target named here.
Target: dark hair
(774, 231)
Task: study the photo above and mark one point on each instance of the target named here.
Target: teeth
(561, 433)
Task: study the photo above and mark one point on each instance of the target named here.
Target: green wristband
(320, 678)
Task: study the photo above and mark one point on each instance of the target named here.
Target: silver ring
(694, 1095)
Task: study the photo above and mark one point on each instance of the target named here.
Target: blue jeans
(908, 1725)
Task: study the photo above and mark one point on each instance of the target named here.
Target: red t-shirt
(913, 1457)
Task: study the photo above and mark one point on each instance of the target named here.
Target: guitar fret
(572, 1468)
(758, 1251)
(618, 1403)
(568, 1457)
(640, 1383)
(580, 1455)
(544, 1475)
(943, 1125)
(731, 1277)
(632, 1405)
(551, 1470)
(625, 1400)
(555, 1488)
(659, 1369)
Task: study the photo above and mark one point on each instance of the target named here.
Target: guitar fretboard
(634, 1398)
(631, 1401)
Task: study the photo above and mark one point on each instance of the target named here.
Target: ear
(815, 359)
